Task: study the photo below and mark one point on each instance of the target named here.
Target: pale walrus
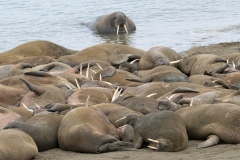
(113, 23)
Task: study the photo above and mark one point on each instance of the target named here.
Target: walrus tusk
(37, 105)
(99, 66)
(87, 73)
(68, 86)
(234, 65)
(134, 61)
(100, 77)
(117, 29)
(177, 61)
(92, 78)
(126, 28)
(120, 119)
(77, 83)
(151, 147)
(153, 140)
(80, 69)
(87, 101)
(150, 95)
(93, 71)
(115, 94)
(31, 110)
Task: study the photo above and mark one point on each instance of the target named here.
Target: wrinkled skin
(88, 130)
(166, 127)
(203, 123)
(109, 24)
(15, 144)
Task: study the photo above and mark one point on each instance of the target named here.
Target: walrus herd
(112, 97)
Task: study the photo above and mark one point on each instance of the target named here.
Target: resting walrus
(214, 122)
(88, 130)
(112, 23)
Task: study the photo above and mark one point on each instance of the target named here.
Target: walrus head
(119, 22)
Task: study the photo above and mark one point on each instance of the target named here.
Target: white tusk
(87, 101)
(134, 61)
(151, 147)
(107, 83)
(115, 94)
(191, 103)
(77, 83)
(152, 140)
(92, 78)
(68, 86)
(80, 69)
(99, 66)
(173, 62)
(227, 61)
(117, 29)
(27, 108)
(87, 73)
(37, 105)
(120, 119)
(150, 95)
(100, 77)
(93, 71)
(126, 28)
(234, 66)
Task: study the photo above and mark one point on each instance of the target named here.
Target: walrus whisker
(177, 61)
(134, 61)
(68, 86)
(150, 95)
(31, 110)
(151, 147)
(153, 140)
(99, 66)
(87, 101)
(37, 105)
(77, 83)
(120, 119)
(125, 27)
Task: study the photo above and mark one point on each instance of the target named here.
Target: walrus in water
(113, 23)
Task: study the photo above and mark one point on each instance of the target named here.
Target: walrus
(88, 130)
(214, 122)
(112, 23)
(15, 144)
(163, 131)
(42, 128)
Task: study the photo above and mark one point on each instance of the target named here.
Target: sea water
(179, 25)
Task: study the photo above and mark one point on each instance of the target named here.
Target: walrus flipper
(211, 141)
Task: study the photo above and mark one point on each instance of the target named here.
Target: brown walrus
(88, 130)
(163, 130)
(112, 23)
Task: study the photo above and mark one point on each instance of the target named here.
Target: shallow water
(179, 25)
